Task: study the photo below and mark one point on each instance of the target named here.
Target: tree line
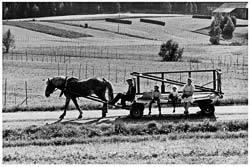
(16, 10)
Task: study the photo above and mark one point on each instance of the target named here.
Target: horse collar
(64, 88)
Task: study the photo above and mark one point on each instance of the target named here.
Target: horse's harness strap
(64, 88)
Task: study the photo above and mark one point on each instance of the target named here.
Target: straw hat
(129, 79)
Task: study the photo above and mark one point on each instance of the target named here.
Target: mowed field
(114, 55)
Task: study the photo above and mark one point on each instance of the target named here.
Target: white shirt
(189, 89)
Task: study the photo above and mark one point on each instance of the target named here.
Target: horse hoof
(61, 117)
(103, 115)
(80, 116)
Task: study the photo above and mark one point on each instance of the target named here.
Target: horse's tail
(110, 89)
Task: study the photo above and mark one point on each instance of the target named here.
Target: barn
(238, 9)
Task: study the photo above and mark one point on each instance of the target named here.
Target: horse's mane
(72, 79)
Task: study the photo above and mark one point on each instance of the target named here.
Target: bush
(8, 40)
(170, 51)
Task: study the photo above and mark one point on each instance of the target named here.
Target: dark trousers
(123, 98)
(173, 99)
(158, 104)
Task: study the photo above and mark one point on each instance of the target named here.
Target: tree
(189, 7)
(35, 10)
(5, 12)
(117, 7)
(170, 51)
(8, 40)
(167, 6)
(195, 9)
(61, 8)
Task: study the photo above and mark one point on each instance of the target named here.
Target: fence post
(116, 74)
(109, 72)
(124, 76)
(26, 55)
(15, 95)
(58, 69)
(66, 72)
(80, 71)
(5, 93)
(26, 93)
(237, 62)
(86, 70)
(243, 66)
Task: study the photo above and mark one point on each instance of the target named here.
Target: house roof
(229, 7)
(234, 5)
(223, 10)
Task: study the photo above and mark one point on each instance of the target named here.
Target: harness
(64, 88)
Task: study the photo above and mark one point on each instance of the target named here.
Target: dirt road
(24, 119)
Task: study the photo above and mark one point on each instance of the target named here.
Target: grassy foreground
(60, 134)
(188, 151)
(144, 150)
(153, 142)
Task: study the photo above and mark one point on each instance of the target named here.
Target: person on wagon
(173, 96)
(187, 96)
(156, 94)
(128, 96)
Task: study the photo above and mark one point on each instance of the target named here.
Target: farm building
(238, 9)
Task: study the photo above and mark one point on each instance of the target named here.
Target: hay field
(114, 56)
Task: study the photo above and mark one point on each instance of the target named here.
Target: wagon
(204, 96)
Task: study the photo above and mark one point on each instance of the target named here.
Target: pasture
(114, 51)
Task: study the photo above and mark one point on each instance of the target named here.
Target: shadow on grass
(144, 119)
(168, 117)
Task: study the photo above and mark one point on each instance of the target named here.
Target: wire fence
(83, 64)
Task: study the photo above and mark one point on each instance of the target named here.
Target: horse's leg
(105, 105)
(78, 108)
(66, 105)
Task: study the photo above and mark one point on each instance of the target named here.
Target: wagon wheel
(207, 109)
(136, 110)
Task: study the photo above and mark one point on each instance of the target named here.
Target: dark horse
(73, 87)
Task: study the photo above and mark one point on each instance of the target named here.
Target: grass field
(46, 29)
(153, 142)
(187, 151)
(114, 56)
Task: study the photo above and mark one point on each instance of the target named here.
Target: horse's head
(56, 82)
(50, 88)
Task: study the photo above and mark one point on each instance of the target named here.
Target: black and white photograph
(125, 82)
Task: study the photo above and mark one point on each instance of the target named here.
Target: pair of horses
(73, 88)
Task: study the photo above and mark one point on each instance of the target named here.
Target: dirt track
(24, 119)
